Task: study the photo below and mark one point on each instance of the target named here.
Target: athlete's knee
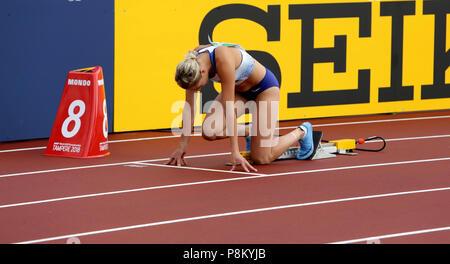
(208, 135)
(261, 159)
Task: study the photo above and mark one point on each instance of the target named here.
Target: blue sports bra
(244, 70)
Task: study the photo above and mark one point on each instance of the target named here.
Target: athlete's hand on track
(177, 158)
(237, 159)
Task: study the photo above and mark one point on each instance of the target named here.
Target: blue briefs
(267, 82)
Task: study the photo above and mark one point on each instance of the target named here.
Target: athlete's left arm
(225, 66)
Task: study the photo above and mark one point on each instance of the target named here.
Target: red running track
(399, 195)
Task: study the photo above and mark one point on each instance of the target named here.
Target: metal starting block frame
(321, 151)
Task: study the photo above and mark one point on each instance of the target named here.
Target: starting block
(321, 150)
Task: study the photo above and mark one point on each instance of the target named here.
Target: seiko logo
(79, 82)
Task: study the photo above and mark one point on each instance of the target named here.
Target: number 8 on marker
(105, 120)
(73, 117)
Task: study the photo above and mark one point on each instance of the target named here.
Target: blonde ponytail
(188, 71)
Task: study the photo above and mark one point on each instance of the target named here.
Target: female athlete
(242, 79)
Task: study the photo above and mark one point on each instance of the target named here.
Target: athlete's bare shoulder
(201, 47)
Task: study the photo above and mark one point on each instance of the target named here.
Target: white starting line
(134, 163)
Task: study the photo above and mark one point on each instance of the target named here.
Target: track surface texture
(398, 195)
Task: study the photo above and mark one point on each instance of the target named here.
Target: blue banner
(41, 41)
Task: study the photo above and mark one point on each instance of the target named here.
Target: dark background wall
(40, 42)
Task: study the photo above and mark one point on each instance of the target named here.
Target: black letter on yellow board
(310, 55)
(270, 20)
(439, 89)
(397, 92)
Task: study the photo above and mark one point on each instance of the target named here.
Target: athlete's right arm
(188, 118)
(189, 110)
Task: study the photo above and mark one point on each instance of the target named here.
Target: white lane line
(63, 169)
(143, 139)
(375, 238)
(411, 138)
(374, 121)
(150, 138)
(112, 193)
(198, 169)
(281, 128)
(21, 149)
(106, 165)
(256, 176)
(196, 218)
(362, 166)
(109, 141)
(188, 157)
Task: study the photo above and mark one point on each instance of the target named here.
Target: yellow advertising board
(332, 57)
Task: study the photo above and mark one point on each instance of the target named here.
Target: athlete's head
(190, 74)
